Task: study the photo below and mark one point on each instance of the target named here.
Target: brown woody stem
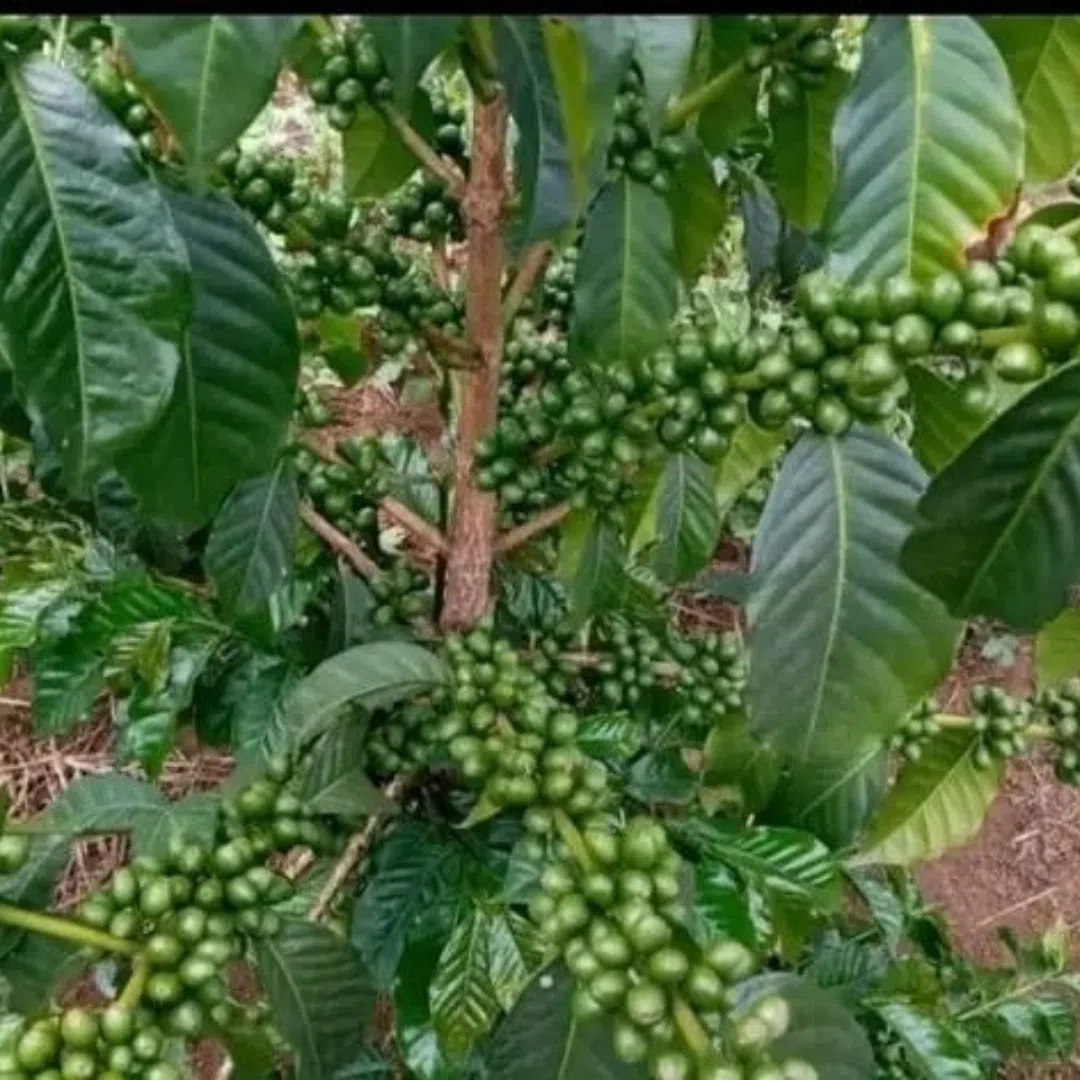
(532, 266)
(422, 149)
(363, 564)
(522, 534)
(473, 518)
(415, 524)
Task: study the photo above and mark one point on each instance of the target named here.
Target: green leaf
(32, 885)
(376, 160)
(931, 97)
(542, 154)
(514, 951)
(663, 45)
(784, 859)
(752, 449)
(999, 525)
(93, 317)
(464, 1004)
(1057, 650)
(885, 907)
(1042, 1026)
(627, 281)
(851, 969)
(937, 803)
(369, 1065)
(208, 75)
(409, 867)
(822, 1033)
(661, 776)
(541, 1040)
(720, 901)
(591, 563)
(36, 971)
(228, 416)
(321, 997)
(833, 799)
(568, 54)
(734, 757)
(350, 617)
(250, 1051)
(681, 518)
(249, 552)
(943, 427)
(1042, 53)
(69, 674)
(336, 782)
(371, 676)
(842, 644)
(699, 210)
(802, 152)
(722, 121)
(938, 1049)
(612, 736)
(408, 44)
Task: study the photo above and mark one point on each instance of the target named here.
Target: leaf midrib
(920, 48)
(204, 78)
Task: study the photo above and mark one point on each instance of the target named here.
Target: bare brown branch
(522, 534)
(442, 167)
(363, 564)
(415, 524)
(532, 266)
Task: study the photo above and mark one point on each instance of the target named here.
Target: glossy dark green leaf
(734, 757)
(542, 150)
(1039, 1024)
(721, 903)
(661, 776)
(336, 782)
(250, 548)
(886, 908)
(32, 885)
(321, 997)
(1042, 53)
(376, 160)
(408, 44)
(842, 643)
(250, 1052)
(802, 152)
(833, 799)
(699, 210)
(541, 1040)
(464, 1004)
(406, 878)
(228, 415)
(938, 1048)
(763, 228)
(69, 674)
(13, 418)
(93, 304)
(372, 676)
(722, 121)
(936, 803)
(208, 75)
(1000, 530)
(931, 96)
(823, 1031)
(515, 951)
(943, 427)
(613, 736)
(627, 280)
(568, 54)
(591, 563)
(849, 968)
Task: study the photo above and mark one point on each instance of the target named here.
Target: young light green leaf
(734, 757)
(937, 1047)
(722, 121)
(802, 151)
(1057, 650)
(931, 95)
(209, 75)
(1042, 53)
(321, 996)
(227, 418)
(92, 321)
(464, 1004)
(1000, 528)
(376, 160)
(371, 676)
(937, 803)
(408, 44)
(613, 736)
(943, 426)
(249, 552)
(842, 644)
(627, 281)
(699, 210)
(568, 54)
(542, 151)
(752, 449)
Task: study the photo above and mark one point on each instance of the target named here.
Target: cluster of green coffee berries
(711, 683)
(265, 185)
(406, 738)
(123, 99)
(422, 209)
(347, 493)
(83, 1044)
(449, 120)
(610, 902)
(631, 655)
(632, 148)
(530, 357)
(557, 290)
(352, 73)
(1001, 722)
(1061, 708)
(798, 51)
(918, 728)
(403, 592)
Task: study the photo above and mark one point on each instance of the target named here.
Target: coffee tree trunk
(474, 515)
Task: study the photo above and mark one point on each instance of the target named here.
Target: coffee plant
(803, 286)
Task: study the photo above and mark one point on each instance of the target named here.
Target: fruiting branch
(422, 149)
(363, 564)
(522, 534)
(532, 266)
(55, 926)
(691, 104)
(415, 524)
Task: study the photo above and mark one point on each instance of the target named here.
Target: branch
(522, 534)
(532, 266)
(453, 346)
(415, 524)
(685, 107)
(339, 542)
(448, 172)
(354, 851)
(56, 926)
